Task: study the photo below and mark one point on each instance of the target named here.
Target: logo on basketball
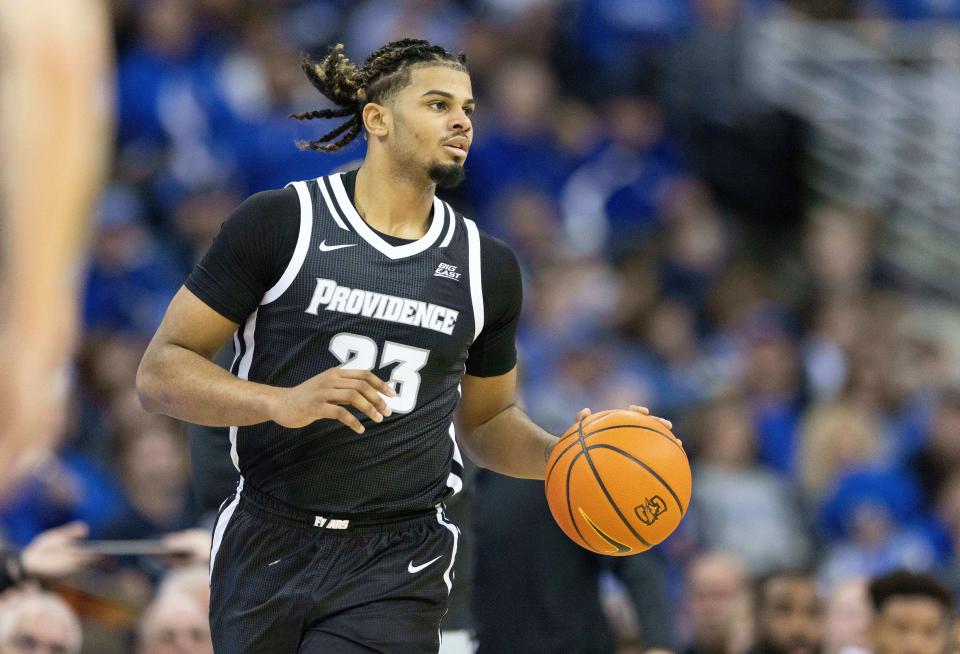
(651, 509)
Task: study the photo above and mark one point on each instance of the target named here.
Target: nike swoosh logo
(619, 548)
(413, 569)
(326, 248)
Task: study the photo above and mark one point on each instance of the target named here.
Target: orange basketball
(618, 482)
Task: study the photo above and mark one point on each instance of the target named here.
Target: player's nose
(460, 122)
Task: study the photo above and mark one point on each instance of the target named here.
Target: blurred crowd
(671, 258)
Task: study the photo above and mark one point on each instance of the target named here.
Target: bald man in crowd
(718, 602)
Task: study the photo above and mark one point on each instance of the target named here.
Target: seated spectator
(740, 505)
(940, 456)
(517, 149)
(789, 614)
(875, 517)
(34, 622)
(912, 614)
(835, 438)
(193, 580)
(947, 512)
(70, 486)
(847, 619)
(175, 623)
(131, 278)
(619, 191)
(718, 603)
(154, 471)
(773, 378)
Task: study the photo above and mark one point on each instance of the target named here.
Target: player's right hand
(323, 396)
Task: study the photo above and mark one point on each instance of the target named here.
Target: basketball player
(360, 305)
(54, 121)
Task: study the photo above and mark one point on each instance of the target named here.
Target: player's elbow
(149, 382)
(471, 444)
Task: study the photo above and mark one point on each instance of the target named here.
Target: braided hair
(382, 75)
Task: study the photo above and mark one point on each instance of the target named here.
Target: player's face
(433, 130)
(910, 625)
(789, 619)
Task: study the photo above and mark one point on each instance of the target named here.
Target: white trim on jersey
(476, 285)
(360, 226)
(331, 206)
(453, 481)
(243, 373)
(442, 519)
(452, 227)
(221, 526)
(278, 289)
(236, 349)
(300, 251)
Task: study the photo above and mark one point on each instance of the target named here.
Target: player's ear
(377, 119)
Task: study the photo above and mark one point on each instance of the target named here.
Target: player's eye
(469, 111)
(439, 103)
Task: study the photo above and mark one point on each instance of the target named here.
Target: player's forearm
(510, 443)
(180, 383)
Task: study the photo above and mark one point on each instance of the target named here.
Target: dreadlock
(382, 75)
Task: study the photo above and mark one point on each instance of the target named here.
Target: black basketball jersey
(348, 297)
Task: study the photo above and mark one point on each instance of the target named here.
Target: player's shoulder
(270, 209)
(278, 200)
(496, 253)
(490, 246)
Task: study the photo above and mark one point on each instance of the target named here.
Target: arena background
(744, 214)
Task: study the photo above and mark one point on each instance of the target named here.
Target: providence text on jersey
(381, 306)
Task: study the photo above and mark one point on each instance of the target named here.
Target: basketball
(618, 482)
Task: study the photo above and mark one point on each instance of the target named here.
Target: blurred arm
(54, 122)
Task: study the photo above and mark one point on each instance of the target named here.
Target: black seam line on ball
(596, 476)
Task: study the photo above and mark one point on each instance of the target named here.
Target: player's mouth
(458, 146)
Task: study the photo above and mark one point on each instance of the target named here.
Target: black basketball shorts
(287, 582)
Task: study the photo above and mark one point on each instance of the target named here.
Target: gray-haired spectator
(193, 580)
(174, 623)
(38, 622)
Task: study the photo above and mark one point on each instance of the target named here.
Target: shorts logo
(413, 569)
(330, 523)
(448, 271)
(651, 509)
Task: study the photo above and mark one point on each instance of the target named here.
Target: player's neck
(392, 202)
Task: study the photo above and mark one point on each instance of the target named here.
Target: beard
(446, 175)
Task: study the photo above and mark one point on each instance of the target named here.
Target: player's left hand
(642, 410)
